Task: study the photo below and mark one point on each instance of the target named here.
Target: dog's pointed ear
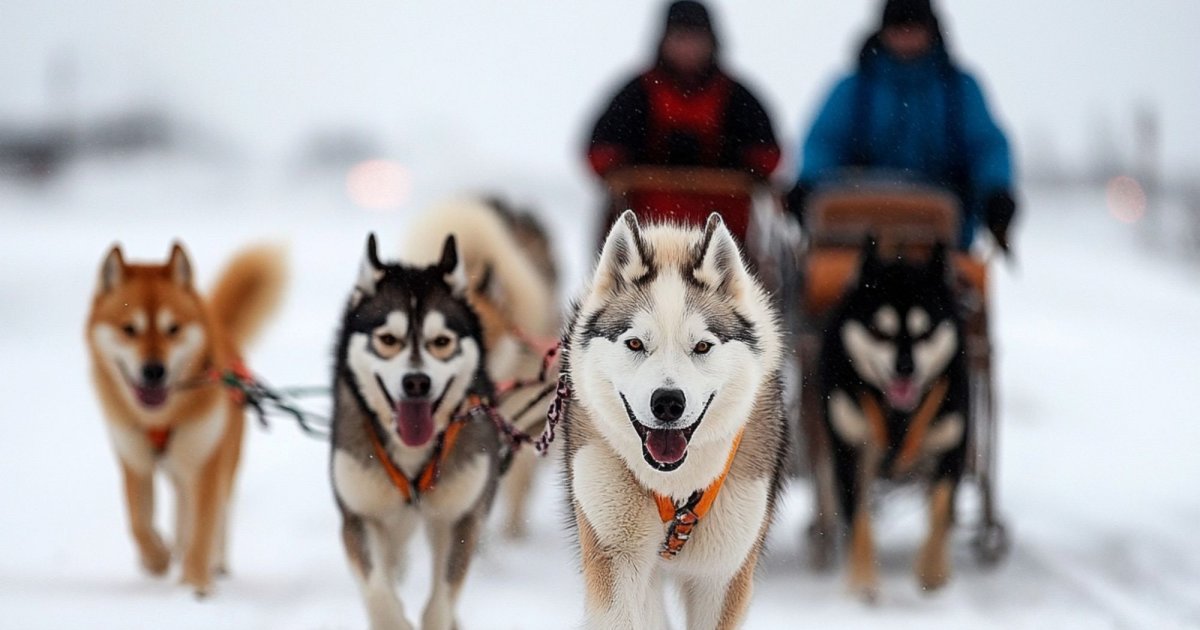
(179, 266)
(112, 270)
(453, 268)
(717, 261)
(370, 271)
(624, 257)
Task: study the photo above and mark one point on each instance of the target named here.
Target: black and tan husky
(893, 379)
(410, 360)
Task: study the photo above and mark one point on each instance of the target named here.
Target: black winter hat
(909, 12)
(688, 14)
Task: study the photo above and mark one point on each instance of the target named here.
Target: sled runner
(906, 222)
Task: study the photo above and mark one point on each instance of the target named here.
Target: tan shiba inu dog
(156, 345)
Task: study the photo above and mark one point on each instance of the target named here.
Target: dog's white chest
(458, 491)
(721, 541)
(191, 444)
(626, 518)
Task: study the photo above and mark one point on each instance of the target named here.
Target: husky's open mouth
(414, 416)
(665, 449)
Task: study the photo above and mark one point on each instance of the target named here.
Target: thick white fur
(610, 478)
(731, 370)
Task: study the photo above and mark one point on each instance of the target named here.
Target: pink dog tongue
(151, 396)
(414, 422)
(666, 446)
(902, 394)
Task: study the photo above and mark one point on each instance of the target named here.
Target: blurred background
(220, 123)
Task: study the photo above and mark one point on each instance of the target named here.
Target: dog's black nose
(415, 385)
(153, 373)
(667, 404)
(904, 363)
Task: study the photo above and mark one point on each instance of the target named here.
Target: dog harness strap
(875, 416)
(235, 379)
(158, 439)
(429, 473)
(433, 470)
(682, 520)
(398, 479)
(915, 435)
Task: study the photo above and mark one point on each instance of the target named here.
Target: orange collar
(428, 477)
(914, 437)
(683, 519)
(158, 439)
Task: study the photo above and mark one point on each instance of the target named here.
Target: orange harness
(681, 520)
(915, 436)
(160, 437)
(411, 489)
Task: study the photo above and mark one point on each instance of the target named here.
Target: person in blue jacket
(909, 109)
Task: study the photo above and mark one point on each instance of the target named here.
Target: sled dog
(410, 361)
(156, 345)
(893, 378)
(675, 433)
(512, 285)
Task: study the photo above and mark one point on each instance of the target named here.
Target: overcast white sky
(517, 81)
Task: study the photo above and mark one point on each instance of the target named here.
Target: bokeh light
(1126, 199)
(378, 185)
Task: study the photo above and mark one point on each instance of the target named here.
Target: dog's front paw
(933, 568)
(199, 579)
(864, 580)
(154, 556)
(867, 591)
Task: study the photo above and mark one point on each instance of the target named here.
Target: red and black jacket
(657, 120)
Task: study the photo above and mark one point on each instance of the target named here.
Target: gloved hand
(999, 210)
(795, 200)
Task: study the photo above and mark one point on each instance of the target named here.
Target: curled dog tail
(248, 291)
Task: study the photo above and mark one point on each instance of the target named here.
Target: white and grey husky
(410, 360)
(674, 433)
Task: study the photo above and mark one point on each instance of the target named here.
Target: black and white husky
(409, 359)
(893, 380)
(674, 433)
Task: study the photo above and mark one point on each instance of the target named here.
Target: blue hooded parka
(925, 120)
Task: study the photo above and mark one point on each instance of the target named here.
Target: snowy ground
(1097, 345)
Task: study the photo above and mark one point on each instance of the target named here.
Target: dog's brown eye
(129, 330)
(442, 347)
(635, 344)
(386, 344)
(172, 330)
(702, 348)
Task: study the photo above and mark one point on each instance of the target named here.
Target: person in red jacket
(686, 111)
